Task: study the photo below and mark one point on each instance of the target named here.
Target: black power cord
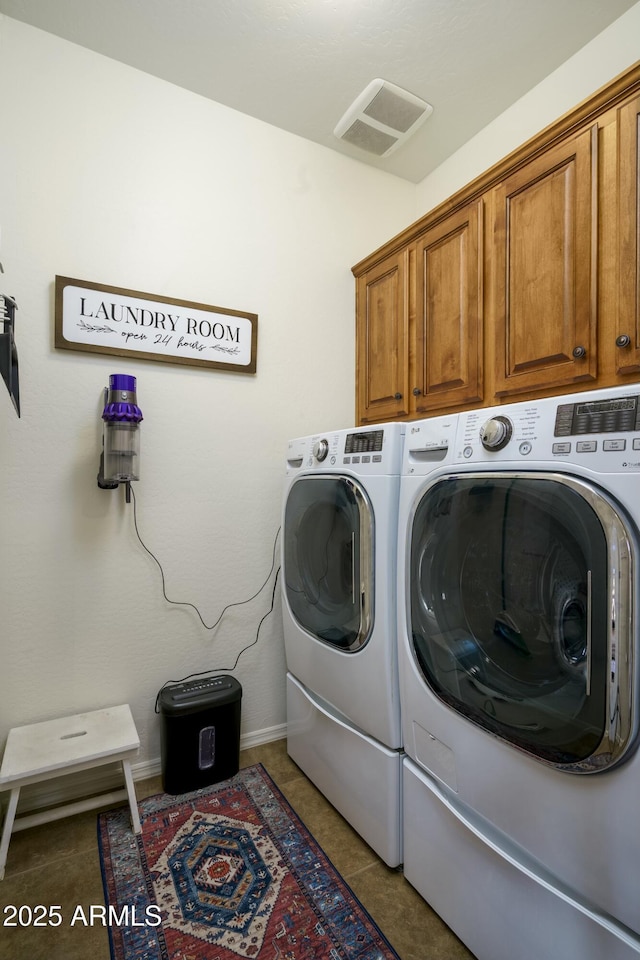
(185, 603)
(205, 673)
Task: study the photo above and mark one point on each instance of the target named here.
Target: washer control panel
(366, 441)
(321, 449)
(496, 433)
(618, 415)
(600, 429)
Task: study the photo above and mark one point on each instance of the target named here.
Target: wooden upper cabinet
(544, 269)
(525, 283)
(627, 332)
(382, 340)
(447, 367)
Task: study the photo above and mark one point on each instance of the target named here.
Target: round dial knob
(320, 450)
(496, 433)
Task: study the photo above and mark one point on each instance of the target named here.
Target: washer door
(520, 593)
(328, 560)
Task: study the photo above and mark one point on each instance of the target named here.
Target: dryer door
(521, 611)
(328, 560)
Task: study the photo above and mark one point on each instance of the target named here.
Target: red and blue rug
(228, 873)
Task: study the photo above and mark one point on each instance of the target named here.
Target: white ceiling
(298, 64)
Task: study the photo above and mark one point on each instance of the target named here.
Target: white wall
(610, 53)
(115, 177)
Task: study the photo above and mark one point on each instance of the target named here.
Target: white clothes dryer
(339, 550)
(519, 571)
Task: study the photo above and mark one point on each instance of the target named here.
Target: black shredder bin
(200, 732)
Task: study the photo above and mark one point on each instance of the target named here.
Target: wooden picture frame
(96, 318)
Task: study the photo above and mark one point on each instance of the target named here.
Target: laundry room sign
(95, 318)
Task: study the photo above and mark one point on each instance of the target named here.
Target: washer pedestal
(499, 902)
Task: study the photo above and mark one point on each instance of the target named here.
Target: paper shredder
(200, 732)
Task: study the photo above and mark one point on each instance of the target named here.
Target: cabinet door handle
(579, 352)
(417, 391)
(397, 396)
(623, 340)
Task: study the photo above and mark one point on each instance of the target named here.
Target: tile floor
(58, 864)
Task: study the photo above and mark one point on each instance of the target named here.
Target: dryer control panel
(377, 450)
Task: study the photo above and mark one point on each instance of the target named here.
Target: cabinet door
(382, 310)
(544, 289)
(627, 333)
(449, 311)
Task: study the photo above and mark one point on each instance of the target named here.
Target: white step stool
(55, 748)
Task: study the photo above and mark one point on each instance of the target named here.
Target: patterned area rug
(228, 873)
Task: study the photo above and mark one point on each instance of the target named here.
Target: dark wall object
(8, 352)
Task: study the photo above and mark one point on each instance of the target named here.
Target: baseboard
(103, 779)
(267, 735)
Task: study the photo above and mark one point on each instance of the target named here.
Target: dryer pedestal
(499, 902)
(358, 775)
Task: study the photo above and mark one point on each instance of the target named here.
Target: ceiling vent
(382, 118)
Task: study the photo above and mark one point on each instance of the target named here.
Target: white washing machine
(339, 551)
(519, 657)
